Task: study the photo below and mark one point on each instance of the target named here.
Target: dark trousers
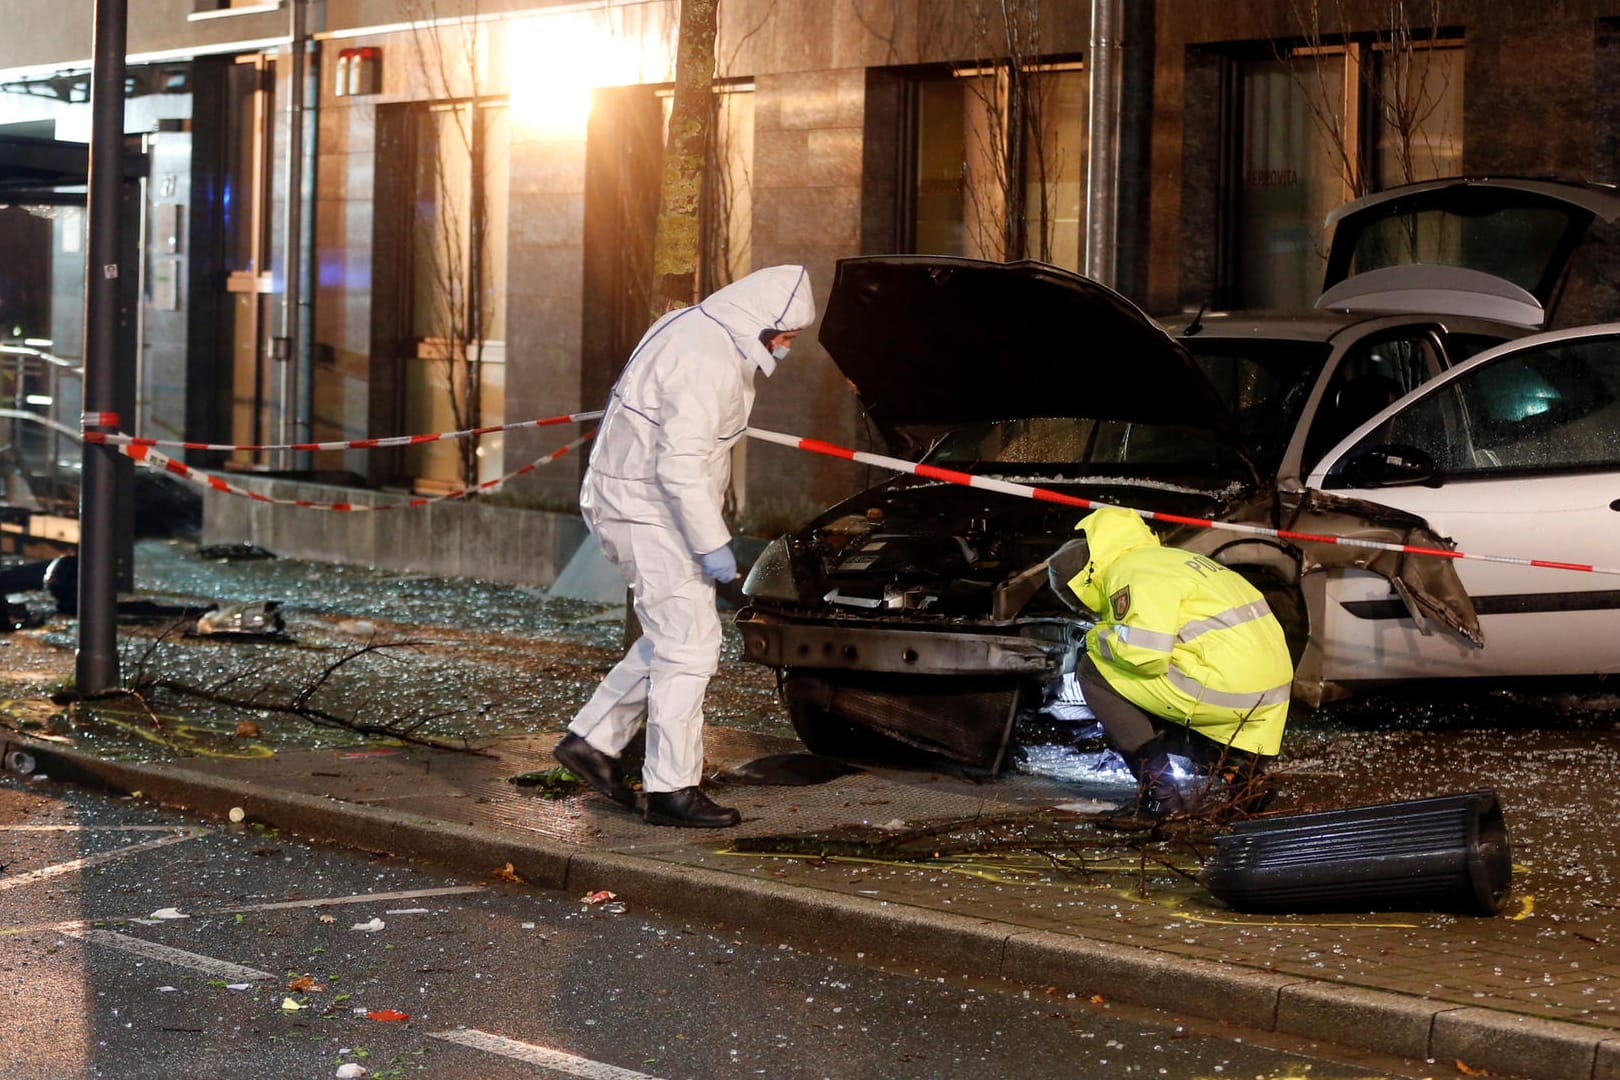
(1131, 728)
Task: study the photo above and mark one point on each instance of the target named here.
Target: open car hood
(935, 341)
(1492, 247)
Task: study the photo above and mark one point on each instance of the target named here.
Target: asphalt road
(135, 943)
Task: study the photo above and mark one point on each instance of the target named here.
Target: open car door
(1514, 453)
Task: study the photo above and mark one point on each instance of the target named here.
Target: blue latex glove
(719, 565)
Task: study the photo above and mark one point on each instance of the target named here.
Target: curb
(1502, 1043)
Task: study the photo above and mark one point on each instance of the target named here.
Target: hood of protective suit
(1110, 532)
(775, 298)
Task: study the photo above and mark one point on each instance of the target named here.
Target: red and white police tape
(158, 460)
(118, 438)
(1027, 491)
(143, 450)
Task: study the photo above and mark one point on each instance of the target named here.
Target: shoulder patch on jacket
(1120, 602)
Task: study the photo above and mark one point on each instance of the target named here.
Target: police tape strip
(116, 438)
(156, 459)
(1027, 491)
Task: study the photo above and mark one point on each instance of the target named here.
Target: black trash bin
(1448, 853)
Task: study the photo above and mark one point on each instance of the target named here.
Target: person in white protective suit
(652, 497)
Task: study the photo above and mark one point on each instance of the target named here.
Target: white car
(916, 612)
(1514, 454)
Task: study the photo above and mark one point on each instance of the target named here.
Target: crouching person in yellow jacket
(1183, 647)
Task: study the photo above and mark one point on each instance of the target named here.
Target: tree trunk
(675, 249)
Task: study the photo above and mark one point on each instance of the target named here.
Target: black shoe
(690, 808)
(1161, 801)
(1159, 796)
(595, 768)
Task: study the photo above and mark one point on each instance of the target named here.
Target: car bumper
(779, 643)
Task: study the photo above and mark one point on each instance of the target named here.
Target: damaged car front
(916, 612)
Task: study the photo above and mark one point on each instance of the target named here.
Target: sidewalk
(1531, 992)
(904, 866)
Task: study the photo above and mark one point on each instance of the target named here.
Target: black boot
(1157, 794)
(690, 808)
(595, 768)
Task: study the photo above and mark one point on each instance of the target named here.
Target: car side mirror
(1391, 465)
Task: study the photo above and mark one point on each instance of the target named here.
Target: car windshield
(1264, 385)
(1098, 447)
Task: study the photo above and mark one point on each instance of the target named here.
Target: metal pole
(303, 423)
(285, 347)
(96, 662)
(1102, 169)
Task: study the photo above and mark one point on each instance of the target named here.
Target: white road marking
(538, 1055)
(361, 898)
(73, 865)
(66, 925)
(179, 957)
(87, 828)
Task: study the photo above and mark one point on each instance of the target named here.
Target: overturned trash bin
(1448, 853)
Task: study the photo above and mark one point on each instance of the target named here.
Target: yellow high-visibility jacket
(1182, 636)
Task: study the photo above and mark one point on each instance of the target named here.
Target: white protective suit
(652, 497)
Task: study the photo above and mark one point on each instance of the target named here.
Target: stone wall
(447, 539)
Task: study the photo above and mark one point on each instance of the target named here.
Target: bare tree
(677, 242)
(1011, 153)
(1391, 69)
(451, 229)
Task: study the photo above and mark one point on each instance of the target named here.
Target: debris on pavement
(168, 913)
(249, 618)
(369, 927)
(506, 873)
(387, 1015)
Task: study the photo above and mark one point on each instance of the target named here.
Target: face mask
(780, 352)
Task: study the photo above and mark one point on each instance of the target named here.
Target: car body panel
(1447, 290)
(1533, 620)
(1520, 233)
(928, 341)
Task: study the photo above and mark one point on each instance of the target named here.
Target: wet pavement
(1018, 876)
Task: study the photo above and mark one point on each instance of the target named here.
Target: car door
(1515, 453)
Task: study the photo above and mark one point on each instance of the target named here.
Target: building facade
(474, 186)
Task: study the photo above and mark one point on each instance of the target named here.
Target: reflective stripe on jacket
(1182, 636)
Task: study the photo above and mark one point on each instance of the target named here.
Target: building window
(999, 163)
(1316, 128)
(457, 374)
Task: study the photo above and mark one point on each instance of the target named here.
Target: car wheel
(1288, 606)
(823, 731)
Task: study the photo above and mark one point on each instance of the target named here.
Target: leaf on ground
(600, 896)
(387, 1015)
(1466, 1071)
(306, 983)
(553, 783)
(247, 729)
(506, 873)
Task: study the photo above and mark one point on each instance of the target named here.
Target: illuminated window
(999, 163)
(1319, 127)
